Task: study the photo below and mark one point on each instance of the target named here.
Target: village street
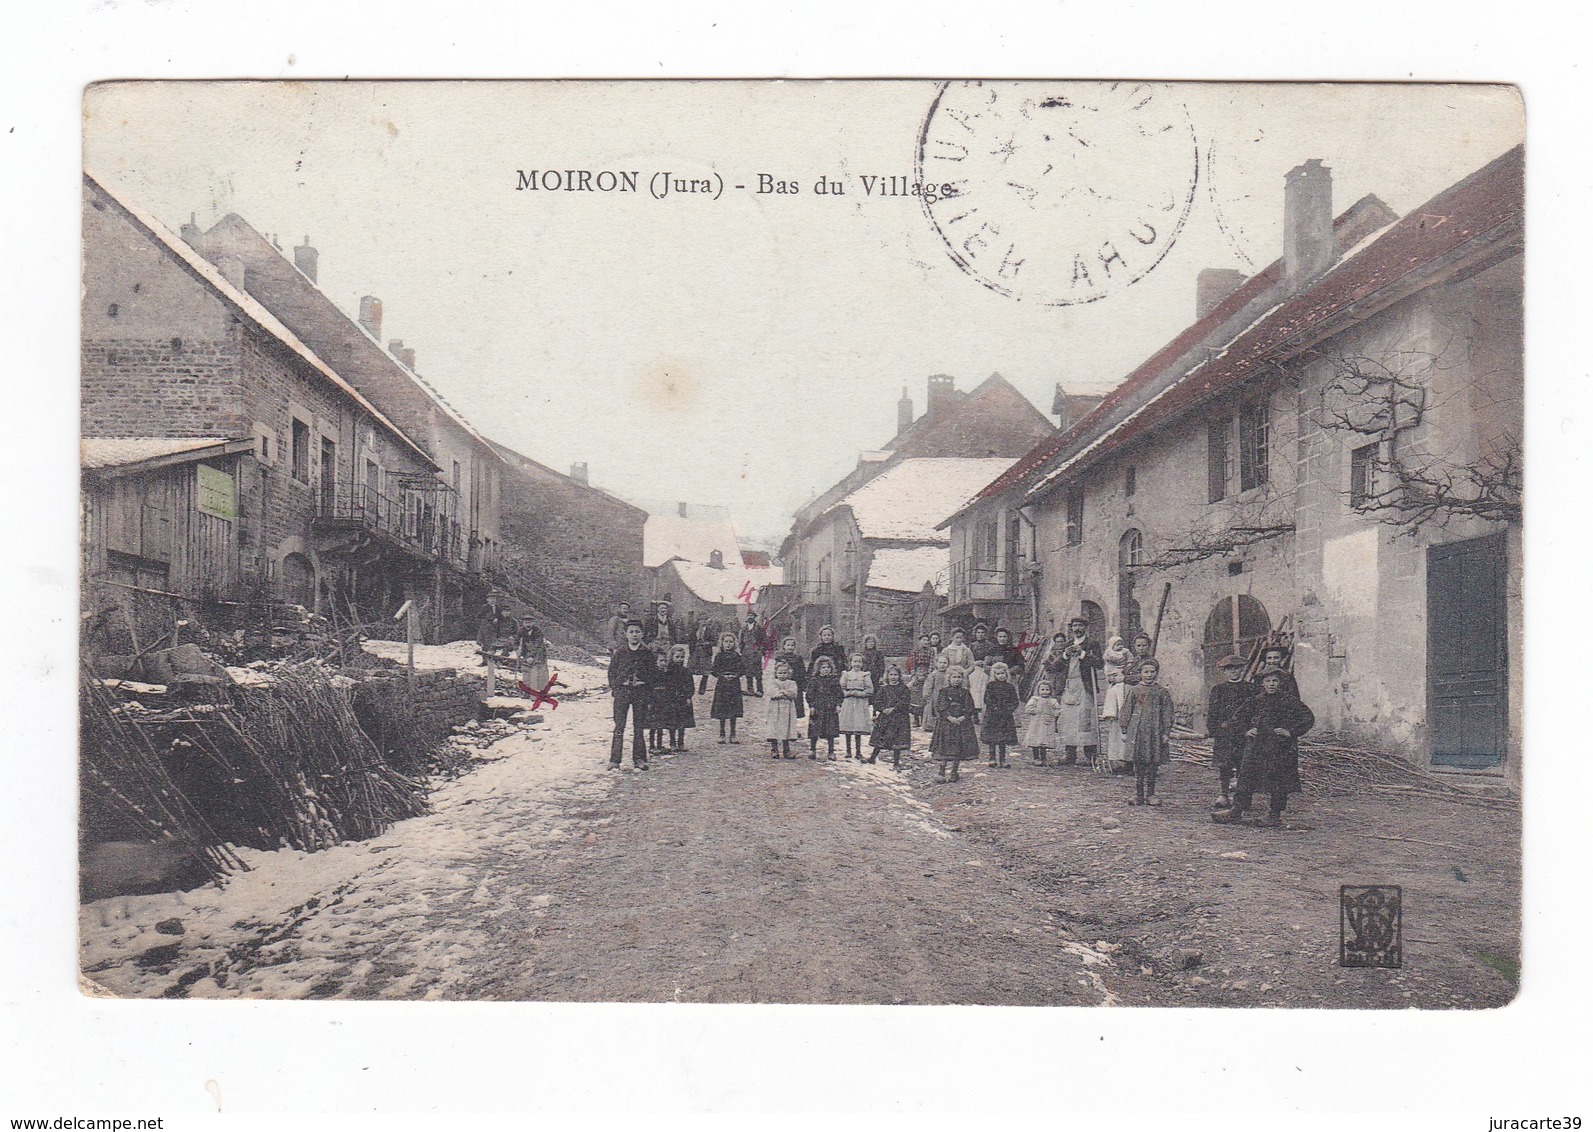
(722, 875)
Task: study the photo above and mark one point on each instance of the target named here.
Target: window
(985, 548)
(1217, 460)
(1363, 467)
(301, 451)
(264, 448)
(456, 475)
(1253, 429)
(1075, 516)
(1128, 482)
(328, 474)
(1131, 550)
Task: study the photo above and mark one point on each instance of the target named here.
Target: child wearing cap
(1147, 725)
(1272, 724)
(1223, 702)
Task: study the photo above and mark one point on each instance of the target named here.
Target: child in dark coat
(1222, 724)
(955, 717)
(727, 672)
(1272, 724)
(824, 706)
(999, 728)
(679, 713)
(658, 707)
(893, 727)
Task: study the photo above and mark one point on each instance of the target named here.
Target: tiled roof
(250, 307)
(1489, 201)
(116, 451)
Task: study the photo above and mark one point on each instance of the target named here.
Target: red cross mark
(1025, 644)
(542, 697)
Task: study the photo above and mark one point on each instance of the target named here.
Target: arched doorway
(1095, 620)
(1130, 557)
(298, 581)
(1236, 625)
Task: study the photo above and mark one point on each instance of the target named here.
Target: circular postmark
(1061, 193)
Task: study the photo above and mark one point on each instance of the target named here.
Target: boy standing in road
(631, 673)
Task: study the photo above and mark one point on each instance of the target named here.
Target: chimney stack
(306, 259)
(904, 413)
(681, 508)
(1212, 286)
(578, 472)
(1307, 223)
(941, 391)
(371, 315)
(191, 234)
(405, 354)
(1059, 408)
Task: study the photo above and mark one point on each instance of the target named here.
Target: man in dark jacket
(753, 642)
(631, 672)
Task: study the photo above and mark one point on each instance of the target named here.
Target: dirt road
(722, 875)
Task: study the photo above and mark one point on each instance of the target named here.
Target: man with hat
(1075, 665)
(1223, 703)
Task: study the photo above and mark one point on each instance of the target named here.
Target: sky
(740, 348)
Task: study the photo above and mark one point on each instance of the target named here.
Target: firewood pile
(1329, 764)
(285, 763)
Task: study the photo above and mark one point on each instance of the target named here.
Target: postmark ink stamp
(1061, 193)
(1370, 933)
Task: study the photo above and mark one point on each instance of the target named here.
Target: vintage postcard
(1049, 543)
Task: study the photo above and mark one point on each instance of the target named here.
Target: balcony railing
(973, 580)
(411, 518)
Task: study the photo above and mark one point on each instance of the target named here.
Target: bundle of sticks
(287, 764)
(1328, 765)
(125, 790)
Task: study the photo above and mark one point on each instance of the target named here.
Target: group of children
(970, 700)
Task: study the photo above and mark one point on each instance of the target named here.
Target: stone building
(571, 549)
(861, 563)
(970, 435)
(1328, 456)
(217, 443)
(463, 500)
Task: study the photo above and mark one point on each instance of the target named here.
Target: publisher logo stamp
(1369, 925)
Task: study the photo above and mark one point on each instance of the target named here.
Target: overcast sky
(742, 350)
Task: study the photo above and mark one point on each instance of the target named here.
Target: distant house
(862, 561)
(219, 448)
(723, 594)
(966, 435)
(1328, 456)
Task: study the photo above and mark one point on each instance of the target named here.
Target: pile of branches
(285, 764)
(1329, 765)
(125, 791)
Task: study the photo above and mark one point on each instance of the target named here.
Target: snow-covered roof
(115, 451)
(692, 539)
(251, 307)
(908, 568)
(906, 502)
(734, 585)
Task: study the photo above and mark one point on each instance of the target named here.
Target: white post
(407, 613)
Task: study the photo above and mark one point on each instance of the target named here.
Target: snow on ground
(404, 903)
(463, 658)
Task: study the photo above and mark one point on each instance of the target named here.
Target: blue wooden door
(1467, 660)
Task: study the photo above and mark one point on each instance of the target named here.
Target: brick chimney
(578, 472)
(371, 315)
(681, 509)
(191, 234)
(1212, 286)
(1307, 223)
(306, 259)
(405, 354)
(941, 389)
(904, 413)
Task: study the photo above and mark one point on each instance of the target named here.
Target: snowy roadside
(463, 658)
(394, 916)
